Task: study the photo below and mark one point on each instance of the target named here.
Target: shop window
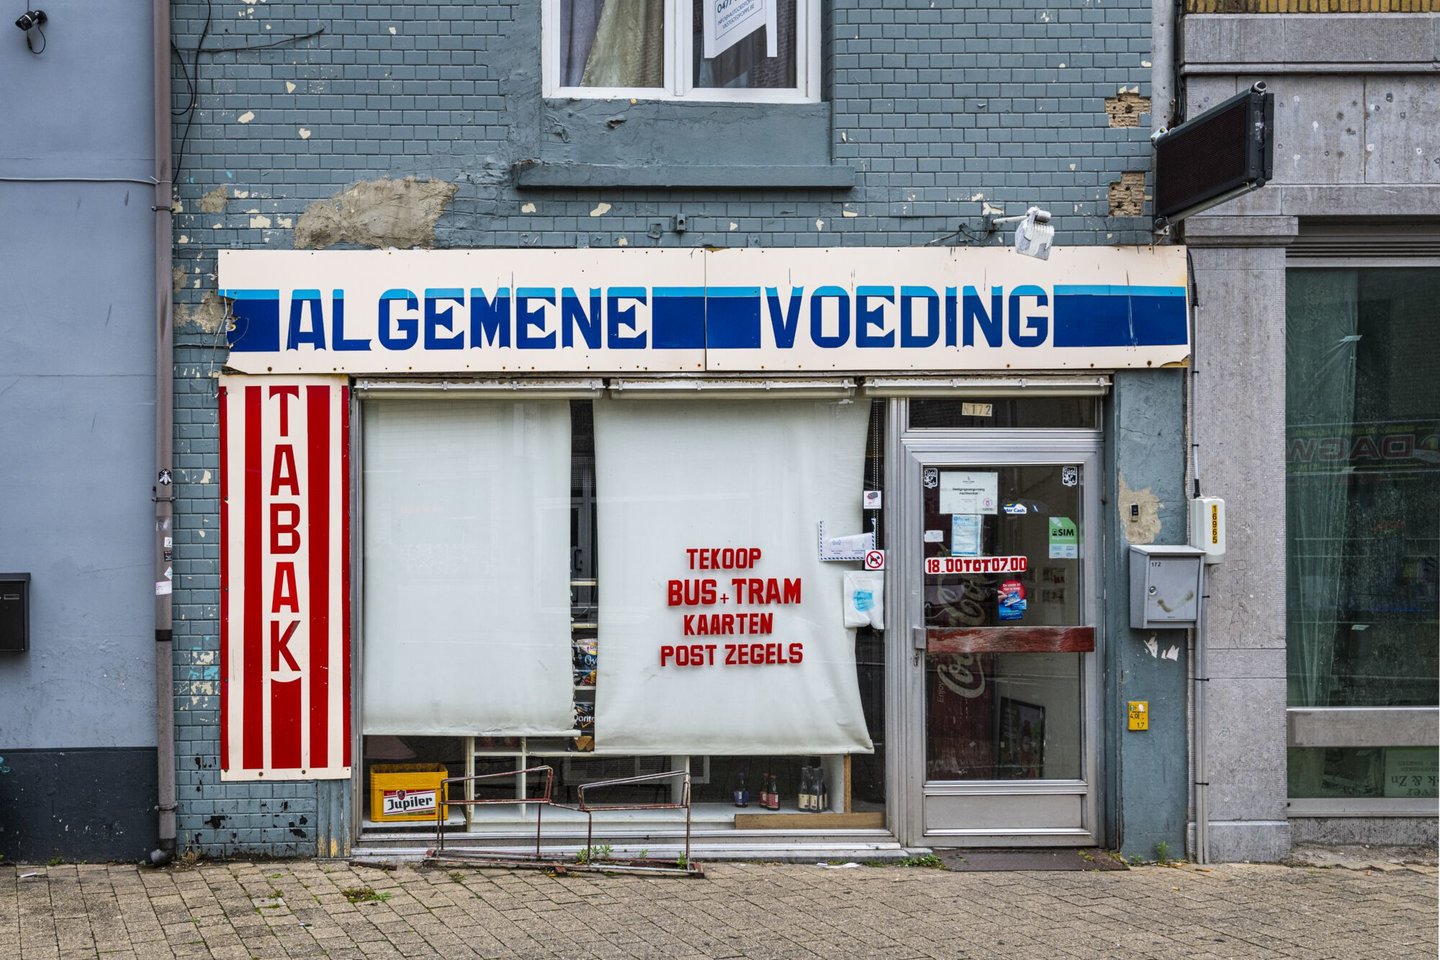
(500, 533)
(745, 50)
(1362, 508)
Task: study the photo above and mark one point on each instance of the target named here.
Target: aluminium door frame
(905, 690)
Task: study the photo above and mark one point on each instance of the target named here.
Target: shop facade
(818, 533)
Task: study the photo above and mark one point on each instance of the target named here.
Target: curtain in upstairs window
(612, 43)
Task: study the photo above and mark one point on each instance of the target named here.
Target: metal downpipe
(162, 491)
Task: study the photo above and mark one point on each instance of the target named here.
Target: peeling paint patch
(1124, 110)
(977, 196)
(205, 477)
(527, 208)
(848, 213)
(819, 224)
(214, 201)
(246, 117)
(304, 133)
(1173, 653)
(376, 213)
(260, 220)
(286, 222)
(239, 194)
(289, 87)
(1127, 195)
(622, 242)
(1153, 647)
(208, 316)
(601, 209)
(734, 225)
(1139, 514)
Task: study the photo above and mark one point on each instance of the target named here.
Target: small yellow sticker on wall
(1139, 714)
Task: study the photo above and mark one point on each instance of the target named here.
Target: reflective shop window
(622, 587)
(1362, 462)
(681, 49)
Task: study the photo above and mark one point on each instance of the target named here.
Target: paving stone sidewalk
(238, 911)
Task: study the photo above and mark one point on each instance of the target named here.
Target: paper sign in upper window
(727, 22)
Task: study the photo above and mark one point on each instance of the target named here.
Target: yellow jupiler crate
(405, 791)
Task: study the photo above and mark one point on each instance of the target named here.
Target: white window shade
(466, 567)
(750, 474)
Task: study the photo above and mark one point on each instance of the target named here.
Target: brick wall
(941, 108)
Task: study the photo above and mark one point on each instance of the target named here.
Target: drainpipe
(163, 490)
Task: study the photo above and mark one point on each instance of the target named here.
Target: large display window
(1362, 518)
(617, 586)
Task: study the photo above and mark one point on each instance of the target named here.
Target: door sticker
(930, 478)
(1012, 600)
(1064, 539)
(934, 536)
(1070, 476)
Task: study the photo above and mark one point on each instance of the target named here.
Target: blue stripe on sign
(677, 318)
(732, 317)
(256, 320)
(1119, 316)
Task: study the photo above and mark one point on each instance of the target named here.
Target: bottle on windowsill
(772, 792)
(742, 792)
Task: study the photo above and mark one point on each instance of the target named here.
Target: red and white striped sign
(284, 578)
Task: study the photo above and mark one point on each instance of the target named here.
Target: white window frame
(679, 53)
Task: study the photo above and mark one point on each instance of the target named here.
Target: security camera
(30, 19)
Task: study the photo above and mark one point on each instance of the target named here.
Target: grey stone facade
(1355, 119)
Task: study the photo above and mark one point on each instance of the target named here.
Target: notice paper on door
(965, 535)
(968, 491)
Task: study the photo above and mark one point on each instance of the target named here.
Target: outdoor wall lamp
(1033, 232)
(32, 20)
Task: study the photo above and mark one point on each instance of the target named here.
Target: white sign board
(593, 311)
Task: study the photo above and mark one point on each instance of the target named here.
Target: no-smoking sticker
(874, 559)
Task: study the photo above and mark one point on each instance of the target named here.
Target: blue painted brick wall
(940, 107)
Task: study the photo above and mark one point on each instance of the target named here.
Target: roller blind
(466, 568)
(751, 477)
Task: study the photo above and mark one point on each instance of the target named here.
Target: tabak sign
(284, 578)
(728, 613)
(694, 310)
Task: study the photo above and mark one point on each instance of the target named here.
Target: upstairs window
(765, 51)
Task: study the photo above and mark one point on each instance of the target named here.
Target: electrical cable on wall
(192, 74)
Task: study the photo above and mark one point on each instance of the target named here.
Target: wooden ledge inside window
(1009, 640)
(659, 176)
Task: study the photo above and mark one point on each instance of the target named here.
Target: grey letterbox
(1165, 586)
(14, 612)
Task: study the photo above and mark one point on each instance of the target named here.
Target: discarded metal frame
(538, 861)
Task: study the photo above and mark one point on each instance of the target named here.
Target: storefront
(818, 528)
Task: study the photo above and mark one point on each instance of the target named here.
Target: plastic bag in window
(865, 599)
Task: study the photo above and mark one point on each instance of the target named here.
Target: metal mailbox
(1165, 586)
(14, 612)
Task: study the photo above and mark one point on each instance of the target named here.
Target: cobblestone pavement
(237, 911)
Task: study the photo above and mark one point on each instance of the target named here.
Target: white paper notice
(727, 22)
(934, 536)
(964, 491)
(965, 535)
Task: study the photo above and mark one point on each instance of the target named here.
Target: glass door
(1000, 609)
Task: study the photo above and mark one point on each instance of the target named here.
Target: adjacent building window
(747, 50)
(1362, 515)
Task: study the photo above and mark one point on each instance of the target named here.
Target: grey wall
(76, 433)
(1149, 778)
(1356, 113)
